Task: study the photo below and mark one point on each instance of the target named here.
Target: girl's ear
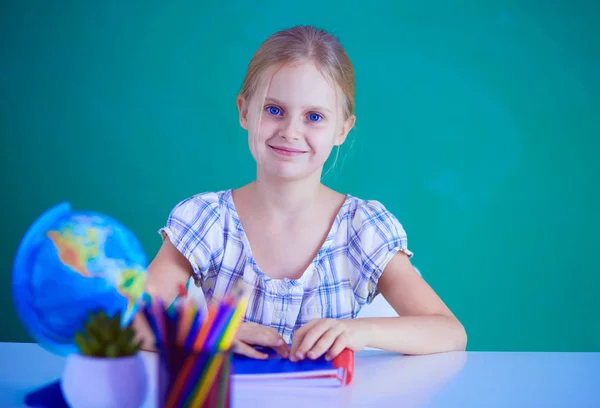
(348, 125)
(243, 111)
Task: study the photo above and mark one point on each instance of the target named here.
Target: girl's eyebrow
(278, 102)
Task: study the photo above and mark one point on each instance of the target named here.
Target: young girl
(314, 257)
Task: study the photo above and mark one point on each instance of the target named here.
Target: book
(48, 396)
(277, 371)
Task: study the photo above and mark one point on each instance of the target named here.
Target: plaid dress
(342, 277)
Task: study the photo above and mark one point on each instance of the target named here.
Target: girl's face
(300, 122)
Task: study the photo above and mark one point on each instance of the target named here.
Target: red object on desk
(345, 360)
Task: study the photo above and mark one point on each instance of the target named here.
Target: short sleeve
(375, 237)
(195, 228)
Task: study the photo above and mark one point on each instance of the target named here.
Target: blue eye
(273, 110)
(314, 117)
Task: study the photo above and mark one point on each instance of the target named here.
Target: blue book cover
(305, 373)
(49, 396)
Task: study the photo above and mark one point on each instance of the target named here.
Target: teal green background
(477, 126)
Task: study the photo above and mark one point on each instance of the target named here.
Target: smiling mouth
(286, 151)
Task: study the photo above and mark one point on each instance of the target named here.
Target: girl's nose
(290, 130)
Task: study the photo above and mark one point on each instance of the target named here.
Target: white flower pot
(96, 382)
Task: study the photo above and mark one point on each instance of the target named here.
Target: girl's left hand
(329, 336)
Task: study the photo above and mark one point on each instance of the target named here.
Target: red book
(277, 371)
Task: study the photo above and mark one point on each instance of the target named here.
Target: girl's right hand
(253, 334)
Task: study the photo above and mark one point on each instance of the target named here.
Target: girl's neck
(284, 199)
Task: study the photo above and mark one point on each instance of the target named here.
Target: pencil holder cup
(194, 379)
(117, 382)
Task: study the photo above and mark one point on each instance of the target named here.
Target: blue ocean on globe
(71, 263)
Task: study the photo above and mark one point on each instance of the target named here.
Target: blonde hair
(301, 43)
(297, 44)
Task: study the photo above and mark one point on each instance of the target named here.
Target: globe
(70, 263)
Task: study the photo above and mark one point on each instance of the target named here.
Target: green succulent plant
(103, 336)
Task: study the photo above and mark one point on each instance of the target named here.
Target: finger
(283, 351)
(338, 346)
(324, 343)
(310, 338)
(299, 335)
(144, 333)
(240, 347)
(259, 335)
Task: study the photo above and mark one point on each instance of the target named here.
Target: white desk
(474, 379)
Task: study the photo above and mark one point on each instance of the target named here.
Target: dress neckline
(313, 264)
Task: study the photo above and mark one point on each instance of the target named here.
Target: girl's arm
(168, 269)
(166, 272)
(425, 325)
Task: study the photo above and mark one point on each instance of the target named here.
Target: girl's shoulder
(197, 204)
(372, 225)
(369, 237)
(198, 218)
(368, 212)
(356, 205)
(195, 226)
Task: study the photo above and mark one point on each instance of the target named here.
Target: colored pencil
(202, 337)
